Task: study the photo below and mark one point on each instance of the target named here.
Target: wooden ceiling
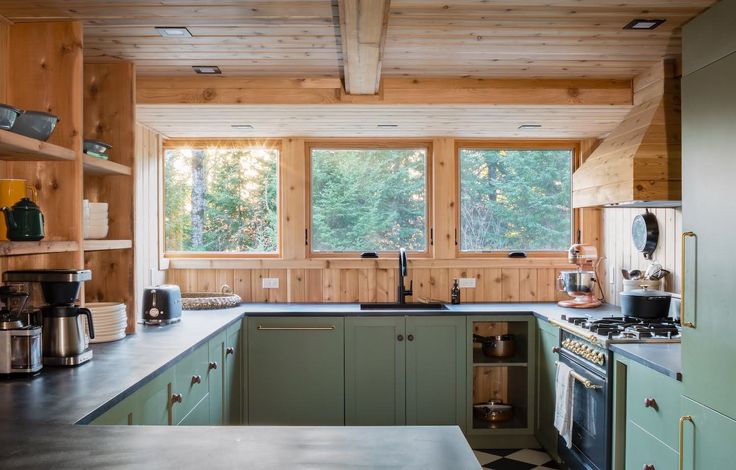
(483, 38)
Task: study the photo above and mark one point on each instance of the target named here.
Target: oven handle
(585, 382)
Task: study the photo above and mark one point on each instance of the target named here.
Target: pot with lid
(645, 303)
(496, 346)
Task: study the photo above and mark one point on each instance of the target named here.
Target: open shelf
(481, 360)
(35, 248)
(101, 167)
(101, 245)
(21, 148)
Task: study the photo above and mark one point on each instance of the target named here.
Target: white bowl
(95, 233)
(98, 206)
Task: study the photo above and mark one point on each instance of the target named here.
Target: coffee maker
(20, 343)
(579, 283)
(64, 340)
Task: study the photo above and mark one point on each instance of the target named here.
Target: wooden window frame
(377, 143)
(194, 143)
(555, 144)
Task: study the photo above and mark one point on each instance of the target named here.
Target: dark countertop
(664, 358)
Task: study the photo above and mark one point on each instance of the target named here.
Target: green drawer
(193, 365)
(643, 449)
(660, 420)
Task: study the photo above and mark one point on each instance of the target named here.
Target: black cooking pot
(645, 303)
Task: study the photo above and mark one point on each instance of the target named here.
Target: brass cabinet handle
(230, 350)
(212, 365)
(196, 379)
(685, 235)
(400, 337)
(682, 426)
(176, 398)
(295, 328)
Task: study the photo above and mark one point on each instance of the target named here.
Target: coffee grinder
(64, 340)
(580, 282)
(20, 344)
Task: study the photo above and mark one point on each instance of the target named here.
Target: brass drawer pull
(682, 426)
(296, 328)
(688, 324)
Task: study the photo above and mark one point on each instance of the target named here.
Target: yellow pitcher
(12, 191)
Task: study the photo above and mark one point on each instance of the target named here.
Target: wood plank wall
(620, 252)
(304, 279)
(147, 150)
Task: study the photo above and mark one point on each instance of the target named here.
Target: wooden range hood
(639, 163)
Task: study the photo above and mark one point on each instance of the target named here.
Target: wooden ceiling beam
(399, 91)
(363, 25)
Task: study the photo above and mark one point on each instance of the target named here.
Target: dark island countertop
(664, 358)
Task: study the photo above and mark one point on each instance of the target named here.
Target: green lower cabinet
(190, 382)
(548, 338)
(154, 401)
(436, 363)
(375, 371)
(644, 451)
(216, 378)
(199, 415)
(708, 438)
(233, 376)
(120, 414)
(296, 370)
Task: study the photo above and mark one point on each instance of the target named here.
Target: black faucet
(403, 271)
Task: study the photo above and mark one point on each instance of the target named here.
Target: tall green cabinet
(548, 339)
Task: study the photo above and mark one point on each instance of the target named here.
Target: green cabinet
(644, 451)
(120, 414)
(436, 365)
(708, 438)
(233, 376)
(190, 382)
(154, 401)
(708, 169)
(296, 370)
(199, 415)
(216, 378)
(548, 339)
(375, 371)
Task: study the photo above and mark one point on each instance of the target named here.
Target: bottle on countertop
(455, 293)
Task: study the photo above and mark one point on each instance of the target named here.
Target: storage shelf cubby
(100, 167)
(34, 248)
(102, 245)
(16, 147)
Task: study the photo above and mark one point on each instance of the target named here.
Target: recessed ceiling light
(173, 31)
(643, 24)
(207, 69)
(530, 126)
(241, 126)
(387, 126)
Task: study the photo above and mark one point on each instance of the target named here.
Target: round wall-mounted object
(645, 233)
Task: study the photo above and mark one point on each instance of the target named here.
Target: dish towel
(564, 386)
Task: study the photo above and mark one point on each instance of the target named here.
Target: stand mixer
(579, 283)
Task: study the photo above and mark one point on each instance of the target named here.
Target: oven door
(591, 436)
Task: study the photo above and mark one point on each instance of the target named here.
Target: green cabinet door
(190, 382)
(548, 338)
(153, 401)
(644, 451)
(121, 414)
(296, 371)
(708, 169)
(375, 369)
(233, 384)
(708, 439)
(436, 370)
(216, 377)
(199, 415)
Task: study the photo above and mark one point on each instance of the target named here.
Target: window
(221, 199)
(515, 199)
(369, 199)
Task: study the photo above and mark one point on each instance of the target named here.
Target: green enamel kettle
(24, 220)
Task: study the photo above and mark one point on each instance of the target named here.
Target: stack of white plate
(109, 319)
(95, 220)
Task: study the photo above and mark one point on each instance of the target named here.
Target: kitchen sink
(404, 306)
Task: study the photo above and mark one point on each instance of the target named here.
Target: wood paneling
(363, 26)
(192, 121)
(109, 116)
(641, 158)
(502, 38)
(620, 252)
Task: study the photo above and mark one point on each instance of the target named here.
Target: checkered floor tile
(515, 459)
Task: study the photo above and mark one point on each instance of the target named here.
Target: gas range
(603, 331)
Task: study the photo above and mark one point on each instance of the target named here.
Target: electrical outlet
(466, 282)
(270, 283)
